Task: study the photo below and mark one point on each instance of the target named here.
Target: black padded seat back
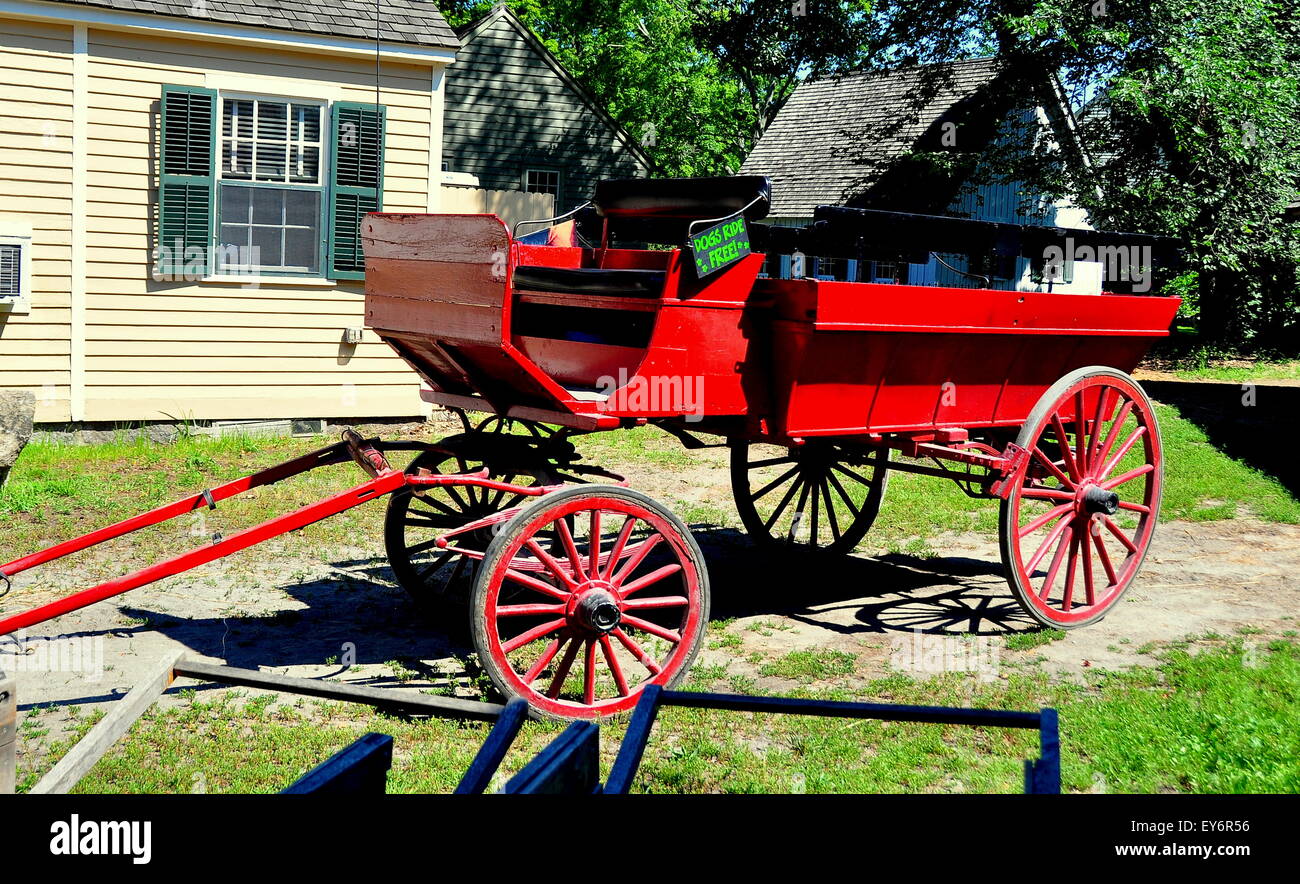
(690, 199)
(590, 281)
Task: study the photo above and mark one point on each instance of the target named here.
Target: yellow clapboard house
(180, 187)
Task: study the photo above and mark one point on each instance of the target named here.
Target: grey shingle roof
(828, 137)
(413, 22)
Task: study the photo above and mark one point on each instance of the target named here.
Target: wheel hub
(1096, 499)
(596, 609)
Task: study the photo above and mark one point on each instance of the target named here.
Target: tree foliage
(1189, 123)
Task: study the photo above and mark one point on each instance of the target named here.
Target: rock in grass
(17, 411)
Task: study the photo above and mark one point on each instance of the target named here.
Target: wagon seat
(647, 210)
(585, 314)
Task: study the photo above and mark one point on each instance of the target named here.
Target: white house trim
(77, 290)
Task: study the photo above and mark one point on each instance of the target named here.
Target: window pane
(300, 248)
(270, 162)
(271, 121)
(304, 163)
(234, 204)
(266, 246)
(302, 208)
(237, 118)
(236, 159)
(268, 205)
(306, 122)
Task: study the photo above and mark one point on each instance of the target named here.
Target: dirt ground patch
(289, 609)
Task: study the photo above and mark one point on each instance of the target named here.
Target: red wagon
(582, 591)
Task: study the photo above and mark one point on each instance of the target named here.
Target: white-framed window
(15, 272)
(542, 180)
(270, 178)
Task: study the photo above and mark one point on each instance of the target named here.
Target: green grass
(1220, 720)
(816, 663)
(1025, 641)
(1239, 371)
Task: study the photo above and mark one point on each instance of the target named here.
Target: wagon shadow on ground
(360, 609)
(895, 592)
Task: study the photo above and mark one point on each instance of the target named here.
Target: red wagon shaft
(384, 480)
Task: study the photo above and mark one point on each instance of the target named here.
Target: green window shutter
(356, 183)
(187, 169)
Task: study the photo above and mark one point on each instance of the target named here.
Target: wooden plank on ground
(125, 712)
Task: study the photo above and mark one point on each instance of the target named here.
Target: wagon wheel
(579, 626)
(1079, 518)
(820, 494)
(439, 579)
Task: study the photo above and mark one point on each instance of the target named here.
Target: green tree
(1188, 113)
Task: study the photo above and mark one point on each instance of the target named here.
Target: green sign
(720, 246)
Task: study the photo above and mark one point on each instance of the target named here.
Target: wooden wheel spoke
(1105, 558)
(1070, 466)
(1056, 532)
(785, 501)
(1053, 513)
(562, 671)
(1080, 434)
(652, 628)
(620, 544)
(830, 509)
(531, 635)
(797, 521)
(1089, 591)
(550, 562)
(432, 503)
(422, 547)
(1111, 484)
(1137, 433)
(1038, 493)
(528, 610)
(1135, 507)
(634, 561)
(852, 474)
(570, 549)
(844, 495)
(1053, 468)
(589, 673)
(593, 544)
(661, 601)
(1119, 534)
(779, 480)
(1120, 417)
(1068, 597)
(537, 585)
(647, 580)
(636, 651)
(771, 462)
(1094, 442)
(615, 668)
(542, 662)
(1055, 566)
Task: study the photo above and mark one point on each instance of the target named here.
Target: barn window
(15, 271)
(265, 185)
(542, 181)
